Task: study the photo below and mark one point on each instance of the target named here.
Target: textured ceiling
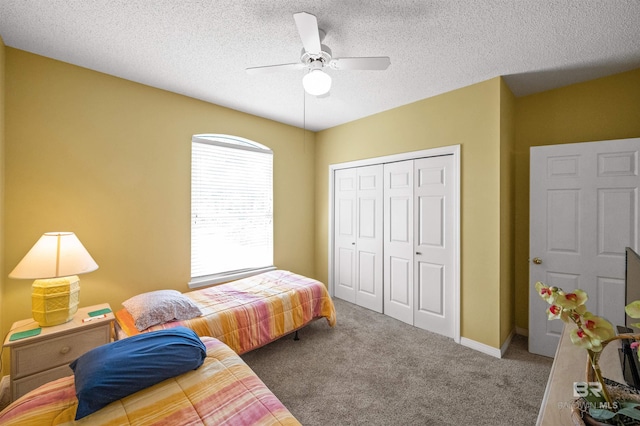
(200, 48)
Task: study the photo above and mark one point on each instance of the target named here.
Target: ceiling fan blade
(308, 28)
(275, 68)
(373, 63)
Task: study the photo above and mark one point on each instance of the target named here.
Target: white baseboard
(481, 347)
(522, 331)
(486, 349)
(506, 343)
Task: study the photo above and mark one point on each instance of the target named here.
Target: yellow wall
(110, 160)
(602, 109)
(2, 132)
(507, 205)
(469, 117)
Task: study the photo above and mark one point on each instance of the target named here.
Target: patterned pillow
(158, 307)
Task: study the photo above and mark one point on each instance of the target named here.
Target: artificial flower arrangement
(593, 333)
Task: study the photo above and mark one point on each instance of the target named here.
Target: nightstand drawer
(44, 355)
(26, 384)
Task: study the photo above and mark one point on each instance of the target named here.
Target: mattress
(223, 391)
(251, 312)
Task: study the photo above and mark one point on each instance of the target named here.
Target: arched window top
(231, 142)
(231, 208)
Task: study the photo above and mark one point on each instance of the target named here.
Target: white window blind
(231, 207)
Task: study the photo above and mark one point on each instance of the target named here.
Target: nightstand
(45, 357)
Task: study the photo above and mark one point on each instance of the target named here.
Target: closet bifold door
(369, 238)
(344, 262)
(358, 236)
(398, 240)
(434, 183)
(418, 242)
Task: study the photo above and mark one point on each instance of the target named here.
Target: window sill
(223, 278)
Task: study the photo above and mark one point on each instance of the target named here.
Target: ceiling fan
(316, 57)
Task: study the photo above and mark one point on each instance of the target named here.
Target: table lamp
(54, 262)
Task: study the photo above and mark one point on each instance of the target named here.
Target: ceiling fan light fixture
(316, 82)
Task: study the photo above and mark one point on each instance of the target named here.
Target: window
(231, 208)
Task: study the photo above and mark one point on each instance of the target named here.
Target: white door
(434, 206)
(358, 236)
(345, 234)
(583, 213)
(369, 238)
(398, 240)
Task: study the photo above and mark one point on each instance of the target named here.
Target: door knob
(537, 260)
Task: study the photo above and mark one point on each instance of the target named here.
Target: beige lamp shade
(55, 254)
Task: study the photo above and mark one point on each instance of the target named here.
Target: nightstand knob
(65, 349)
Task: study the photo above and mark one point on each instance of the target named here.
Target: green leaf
(633, 309)
(629, 409)
(601, 414)
(599, 407)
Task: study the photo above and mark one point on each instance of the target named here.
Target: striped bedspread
(251, 312)
(223, 391)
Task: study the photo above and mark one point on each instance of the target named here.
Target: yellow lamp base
(55, 300)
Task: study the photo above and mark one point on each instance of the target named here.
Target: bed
(223, 390)
(244, 314)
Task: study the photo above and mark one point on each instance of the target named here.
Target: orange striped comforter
(251, 312)
(223, 391)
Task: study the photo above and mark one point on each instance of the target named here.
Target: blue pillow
(112, 371)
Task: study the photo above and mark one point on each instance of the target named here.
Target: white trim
(545, 397)
(434, 152)
(221, 140)
(507, 342)
(330, 239)
(486, 349)
(219, 279)
(456, 225)
(481, 347)
(522, 331)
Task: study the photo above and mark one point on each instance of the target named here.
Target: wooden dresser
(569, 366)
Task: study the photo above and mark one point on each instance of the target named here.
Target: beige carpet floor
(373, 370)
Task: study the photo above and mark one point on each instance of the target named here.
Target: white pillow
(158, 307)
